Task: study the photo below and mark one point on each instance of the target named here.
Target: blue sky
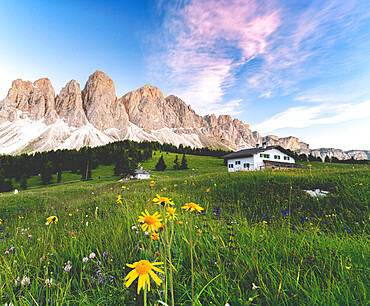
(299, 68)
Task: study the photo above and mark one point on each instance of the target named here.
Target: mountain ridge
(33, 118)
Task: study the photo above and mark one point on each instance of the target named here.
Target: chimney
(264, 145)
(257, 145)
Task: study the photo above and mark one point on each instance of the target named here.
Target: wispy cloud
(306, 43)
(208, 41)
(305, 116)
(266, 47)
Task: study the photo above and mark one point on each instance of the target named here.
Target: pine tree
(160, 166)
(59, 173)
(46, 173)
(2, 179)
(8, 185)
(124, 166)
(23, 181)
(184, 163)
(176, 165)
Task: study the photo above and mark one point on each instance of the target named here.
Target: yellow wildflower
(171, 213)
(192, 207)
(151, 222)
(143, 269)
(51, 219)
(155, 236)
(162, 200)
(119, 199)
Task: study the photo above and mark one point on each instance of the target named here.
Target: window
(246, 165)
(286, 158)
(237, 162)
(261, 155)
(276, 156)
(231, 166)
(266, 155)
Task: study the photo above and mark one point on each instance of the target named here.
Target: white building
(260, 158)
(142, 175)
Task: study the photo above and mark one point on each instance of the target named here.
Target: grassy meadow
(260, 240)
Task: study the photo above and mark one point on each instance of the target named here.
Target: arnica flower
(171, 213)
(192, 207)
(151, 222)
(143, 269)
(119, 199)
(155, 236)
(51, 219)
(162, 200)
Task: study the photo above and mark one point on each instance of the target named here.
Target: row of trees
(125, 154)
(161, 165)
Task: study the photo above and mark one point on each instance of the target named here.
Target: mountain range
(33, 118)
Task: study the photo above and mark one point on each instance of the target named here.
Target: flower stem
(170, 259)
(144, 295)
(191, 259)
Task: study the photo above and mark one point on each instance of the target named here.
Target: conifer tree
(46, 173)
(8, 185)
(184, 163)
(2, 179)
(23, 181)
(160, 166)
(124, 166)
(176, 164)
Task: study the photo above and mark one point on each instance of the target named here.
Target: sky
(287, 68)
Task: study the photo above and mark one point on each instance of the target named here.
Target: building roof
(141, 172)
(251, 152)
(282, 164)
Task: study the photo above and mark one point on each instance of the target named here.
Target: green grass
(317, 254)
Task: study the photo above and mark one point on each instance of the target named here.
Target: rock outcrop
(69, 105)
(291, 143)
(102, 108)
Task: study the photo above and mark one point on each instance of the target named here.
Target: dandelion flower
(171, 213)
(162, 200)
(143, 269)
(192, 207)
(119, 199)
(151, 222)
(51, 219)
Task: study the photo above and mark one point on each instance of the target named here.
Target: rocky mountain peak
(45, 86)
(69, 105)
(151, 92)
(101, 104)
(224, 119)
(47, 91)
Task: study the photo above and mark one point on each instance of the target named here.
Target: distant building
(142, 175)
(260, 158)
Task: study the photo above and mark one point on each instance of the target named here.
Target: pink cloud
(209, 40)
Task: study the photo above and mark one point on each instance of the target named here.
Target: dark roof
(283, 164)
(141, 172)
(251, 152)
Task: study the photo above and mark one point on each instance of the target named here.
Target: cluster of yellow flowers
(152, 223)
